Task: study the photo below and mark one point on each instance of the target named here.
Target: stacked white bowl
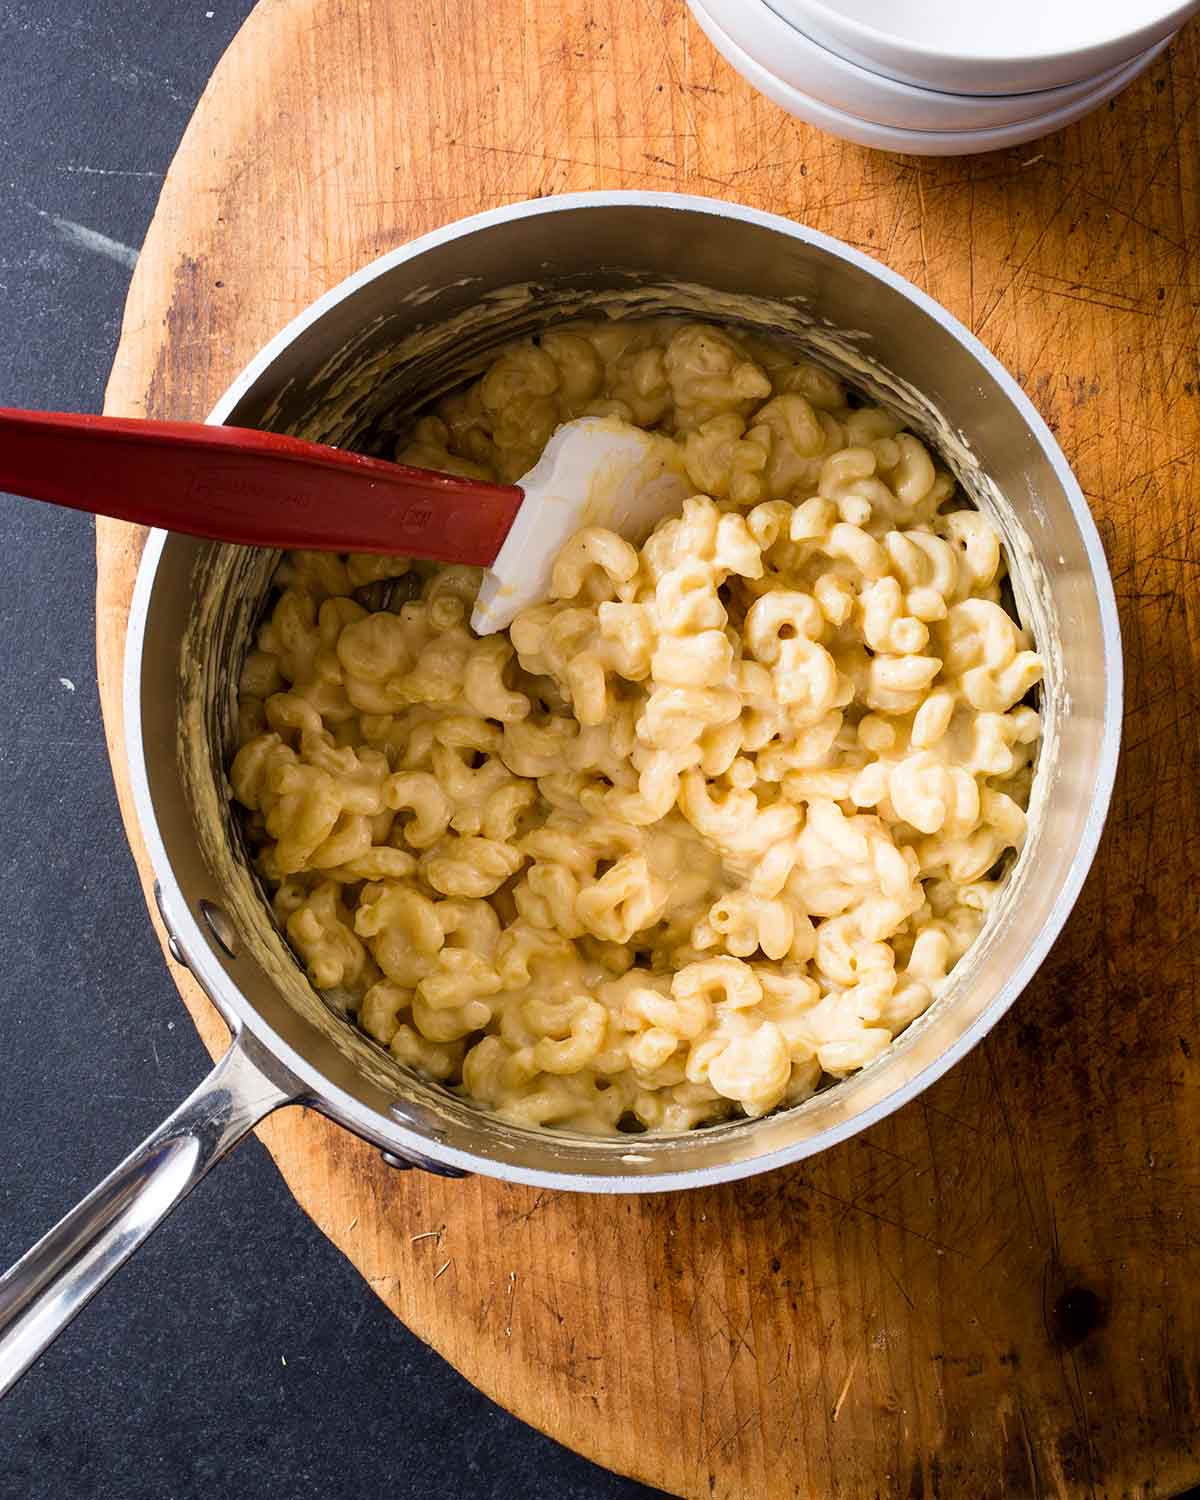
(940, 77)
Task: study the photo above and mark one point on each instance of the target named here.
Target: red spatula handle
(232, 484)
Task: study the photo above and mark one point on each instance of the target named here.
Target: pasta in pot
(713, 822)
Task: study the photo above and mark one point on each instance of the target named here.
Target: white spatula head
(596, 471)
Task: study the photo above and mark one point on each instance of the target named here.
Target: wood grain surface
(994, 1291)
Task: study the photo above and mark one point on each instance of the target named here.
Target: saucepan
(412, 324)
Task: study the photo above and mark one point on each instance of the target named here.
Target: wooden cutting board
(994, 1291)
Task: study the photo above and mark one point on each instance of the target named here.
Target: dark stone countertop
(173, 1382)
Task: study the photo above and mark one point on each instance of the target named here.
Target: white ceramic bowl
(824, 76)
(969, 47)
(863, 132)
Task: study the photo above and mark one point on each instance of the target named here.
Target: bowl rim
(776, 28)
(320, 1091)
(881, 137)
(1168, 16)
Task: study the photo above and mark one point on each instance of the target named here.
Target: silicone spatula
(260, 489)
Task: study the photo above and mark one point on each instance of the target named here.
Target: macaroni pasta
(712, 823)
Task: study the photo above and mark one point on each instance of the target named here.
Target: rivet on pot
(220, 927)
(173, 947)
(426, 1164)
(416, 1118)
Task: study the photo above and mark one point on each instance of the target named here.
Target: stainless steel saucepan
(416, 322)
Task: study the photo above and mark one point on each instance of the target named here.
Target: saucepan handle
(50, 1283)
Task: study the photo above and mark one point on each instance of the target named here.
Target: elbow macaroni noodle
(712, 823)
